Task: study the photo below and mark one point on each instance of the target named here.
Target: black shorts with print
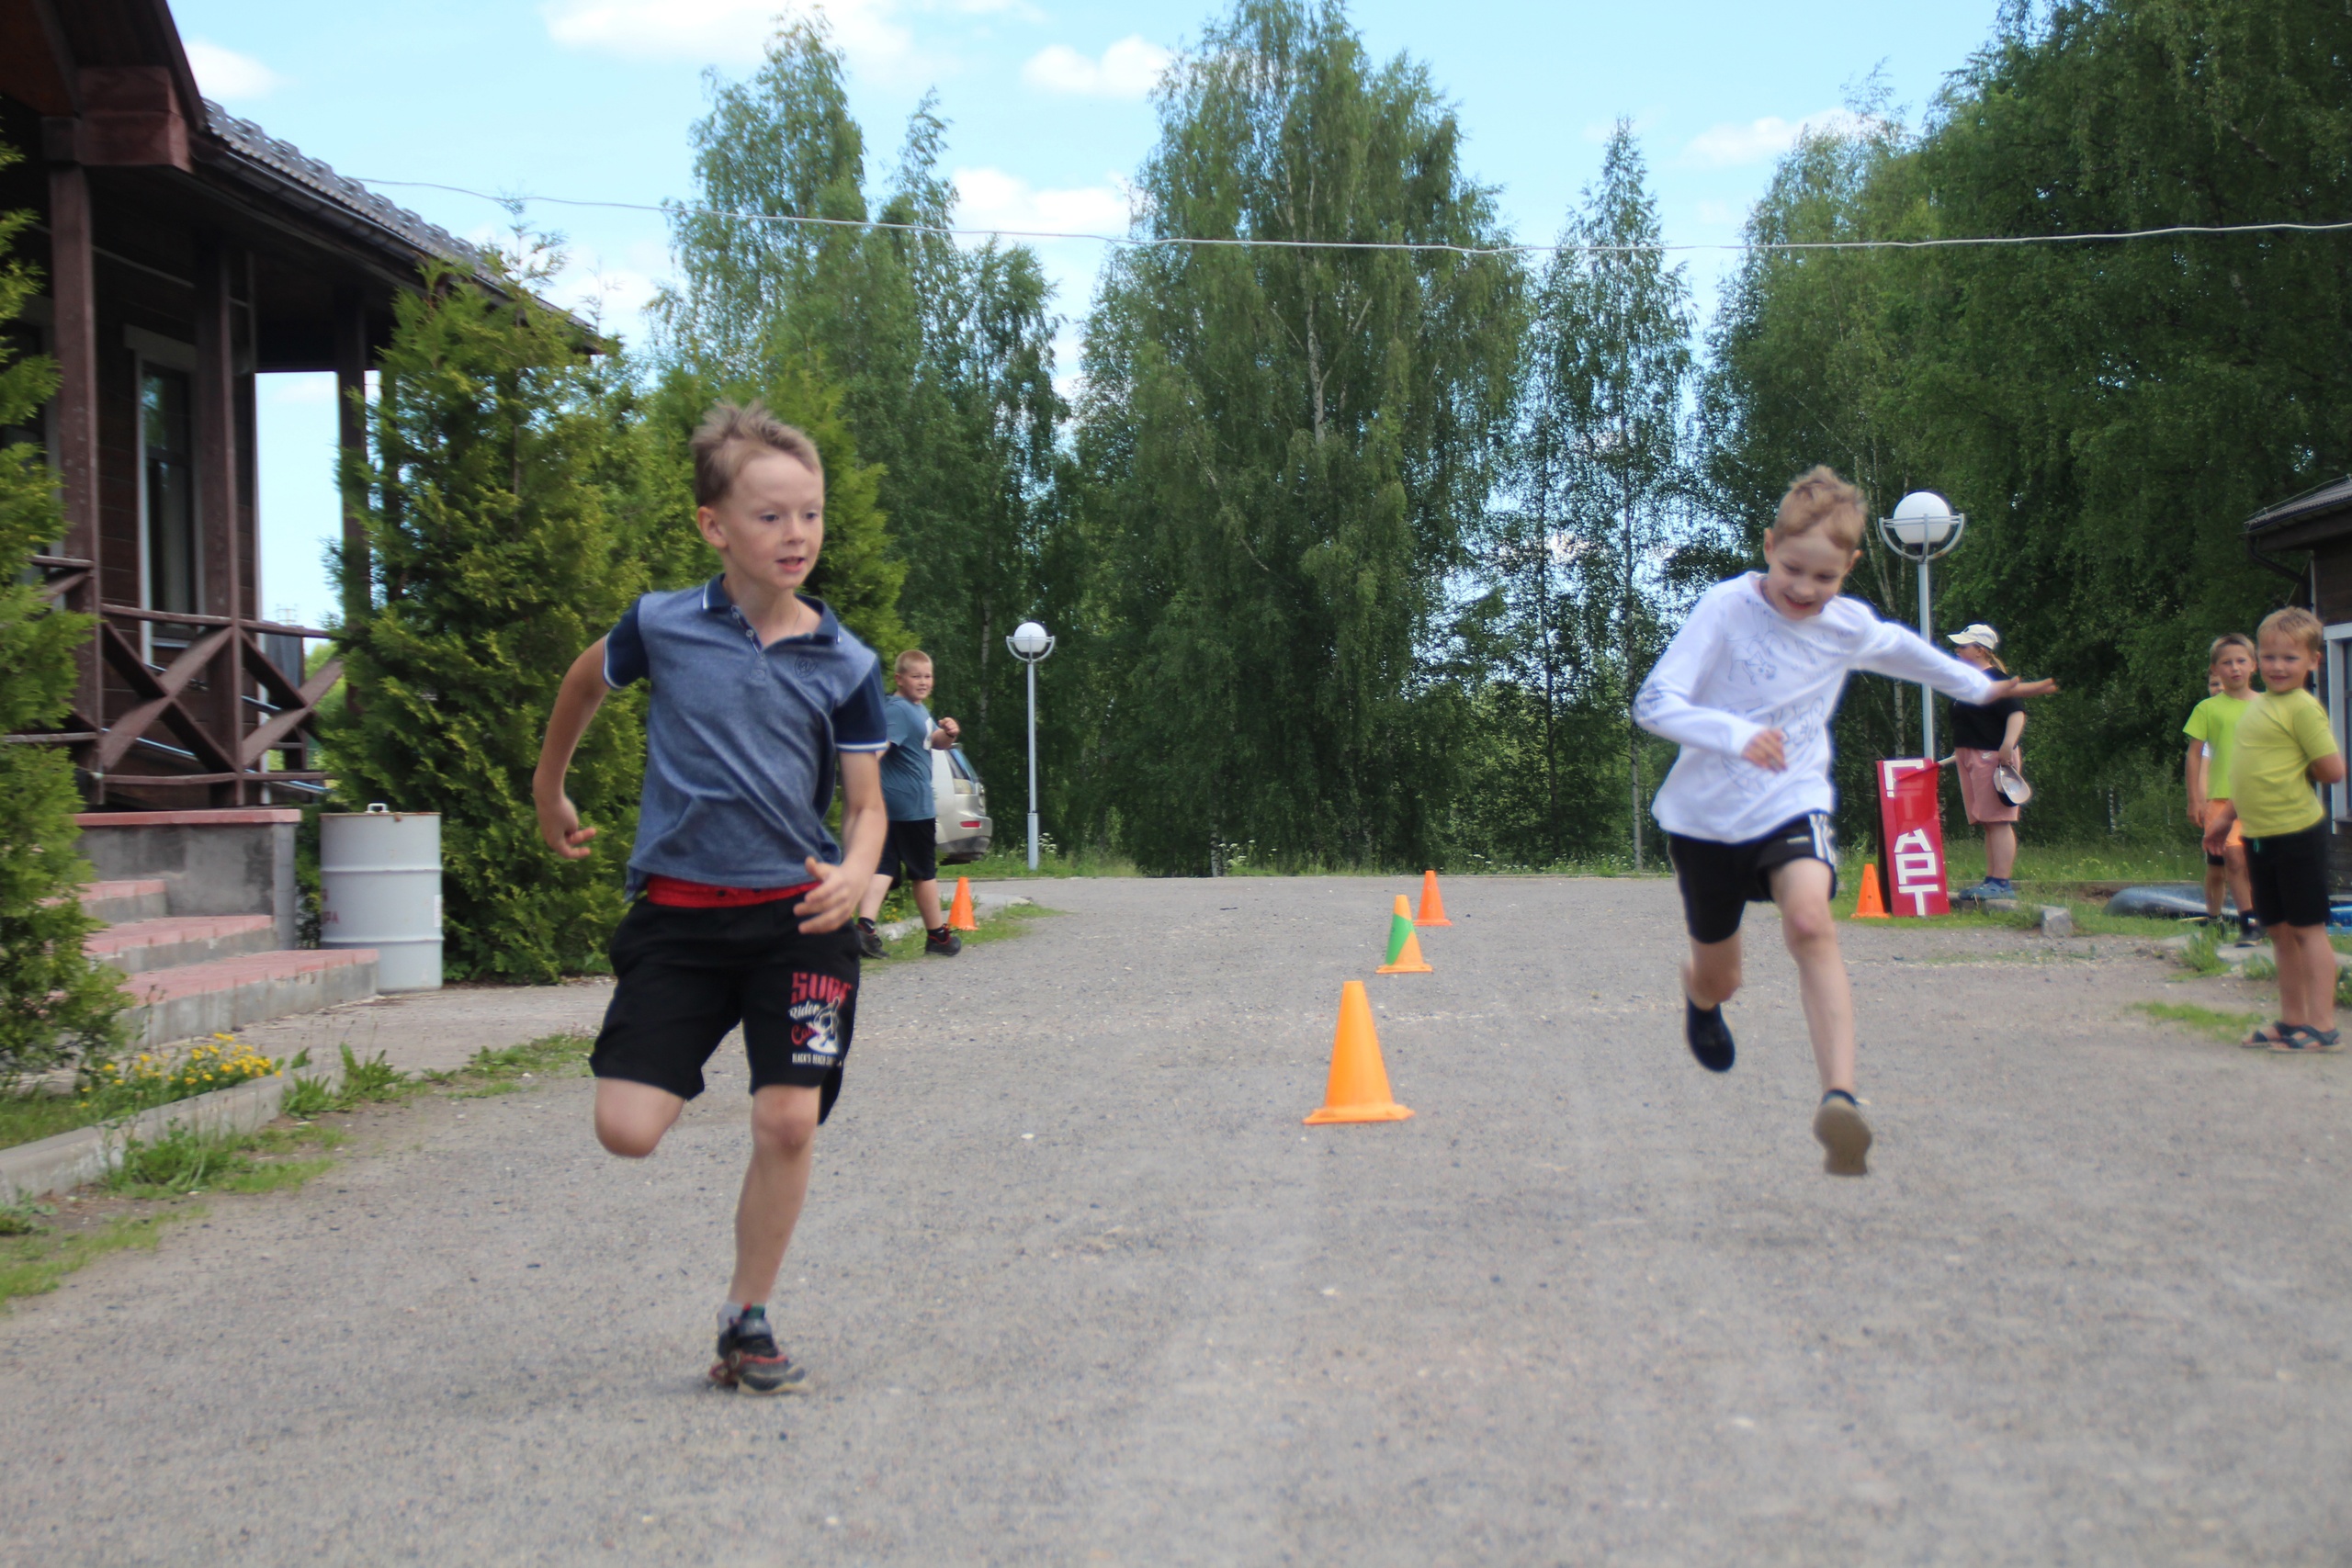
(1719, 881)
(686, 976)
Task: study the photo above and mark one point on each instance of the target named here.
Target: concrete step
(138, 946)
(225, 994)
(139, 899)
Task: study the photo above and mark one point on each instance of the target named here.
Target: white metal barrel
(379, 875)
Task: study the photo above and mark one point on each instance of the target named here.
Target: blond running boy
(1748, 688)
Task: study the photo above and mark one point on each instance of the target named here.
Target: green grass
(31, 1263)
(519, 1066)
(183, 1162)
(29, 1118)
(1009, 858)
(2230, 1026)
(1008, 920)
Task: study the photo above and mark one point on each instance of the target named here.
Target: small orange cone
(1433, 904)
(1870, 907)
(959, 918)
(1403, 945)
(1358, 1090)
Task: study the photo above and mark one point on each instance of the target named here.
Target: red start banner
(1911, 815)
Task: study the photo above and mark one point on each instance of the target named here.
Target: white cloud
(1760, 141)
(727, 32)
(1128, 68)
(225, 74)
(990, 199)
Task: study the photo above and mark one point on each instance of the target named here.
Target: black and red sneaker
(750, 1359)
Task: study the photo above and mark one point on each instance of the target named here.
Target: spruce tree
(498, 464)
(52, 998)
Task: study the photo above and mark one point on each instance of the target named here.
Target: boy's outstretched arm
(1663, 705)
(864, 820)
(576, 703)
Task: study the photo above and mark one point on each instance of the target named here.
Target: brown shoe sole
(1845, 1138)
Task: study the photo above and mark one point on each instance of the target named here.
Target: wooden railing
(224, 702)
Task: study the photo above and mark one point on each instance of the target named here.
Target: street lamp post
(1923, 527)
(1030, 643)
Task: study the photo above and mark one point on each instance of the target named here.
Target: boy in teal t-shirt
(2212, 734)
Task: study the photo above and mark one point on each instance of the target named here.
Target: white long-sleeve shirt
(1739, 667)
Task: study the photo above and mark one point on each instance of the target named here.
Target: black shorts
(1719, 881)
(686, 976)
(2289, 877)
(911, 851)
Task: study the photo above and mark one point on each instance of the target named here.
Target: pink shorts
(1976, 791)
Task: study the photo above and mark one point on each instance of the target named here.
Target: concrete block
(212, 862)
(2056, 922)
(87, 1153)
(227, 993)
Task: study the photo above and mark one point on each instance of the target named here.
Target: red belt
(673, 893)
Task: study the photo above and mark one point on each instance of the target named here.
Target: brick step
(226, 994)
(126, 900)
(141, 946)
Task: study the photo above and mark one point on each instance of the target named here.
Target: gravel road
(1075, 1286)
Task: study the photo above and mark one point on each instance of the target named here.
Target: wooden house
(182, 251)
(2317, 526)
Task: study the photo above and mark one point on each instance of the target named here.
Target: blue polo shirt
(740, 738)
(906, 767)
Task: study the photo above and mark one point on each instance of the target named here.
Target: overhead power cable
(1149, 242)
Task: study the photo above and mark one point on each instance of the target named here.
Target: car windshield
(957, 765)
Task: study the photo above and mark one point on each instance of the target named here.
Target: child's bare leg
(1712, 976)
(2306, 976)
(632, 1117)
(2000, 849)
(1802, 890)
(876, 891)
(2217, 877)
(2241, 883)
(927, 904)
(784, 1134)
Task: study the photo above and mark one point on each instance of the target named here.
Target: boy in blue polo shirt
(911, 850)
(741, 901)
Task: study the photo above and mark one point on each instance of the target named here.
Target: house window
(2334, 674)
(169, 563)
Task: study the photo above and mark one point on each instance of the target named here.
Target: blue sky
(1046, 99)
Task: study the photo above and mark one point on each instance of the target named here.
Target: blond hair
(908, 660)
(1819, 499)
(731, 435)
(2300, 625)
(2227, 640)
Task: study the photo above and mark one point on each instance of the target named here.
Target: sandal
(2303, 1039)
(2266, 1037)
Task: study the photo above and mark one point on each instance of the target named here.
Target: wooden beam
(220, 517)
(351, 432)
(74, 344)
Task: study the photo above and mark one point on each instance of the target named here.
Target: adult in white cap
(1985, 740)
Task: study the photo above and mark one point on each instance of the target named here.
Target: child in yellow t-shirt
(2284, 747)
(2211, 730)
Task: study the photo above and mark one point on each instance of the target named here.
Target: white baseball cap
(1978, 635)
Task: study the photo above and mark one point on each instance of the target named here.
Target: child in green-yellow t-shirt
(2213, 729)
(2282, 748)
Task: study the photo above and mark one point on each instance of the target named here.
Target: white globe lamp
(1029, 643)
(1923, 527)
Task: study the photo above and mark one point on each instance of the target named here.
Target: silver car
(964, 827)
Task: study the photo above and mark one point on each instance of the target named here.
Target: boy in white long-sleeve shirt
(1748, 688)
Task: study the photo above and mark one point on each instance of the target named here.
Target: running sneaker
(869, 940)
(942, 943)
(1710, 1037)
(750, 1359)
(1845, 1136)
(2249, 931)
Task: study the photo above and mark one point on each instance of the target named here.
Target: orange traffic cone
(1433, 906)
(1403, 945)
(959, 918)
(1358, 1090)
(1870, 907)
